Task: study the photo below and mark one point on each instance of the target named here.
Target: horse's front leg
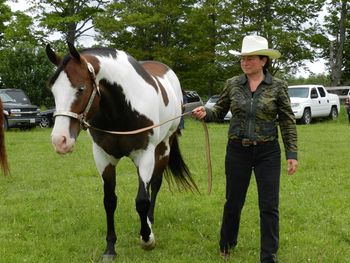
(110, 204)
(106, 167)
(145, 166)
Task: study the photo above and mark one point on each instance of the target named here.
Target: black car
(18, 110)
(46, 118)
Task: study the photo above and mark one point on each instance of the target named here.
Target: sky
(317, 67)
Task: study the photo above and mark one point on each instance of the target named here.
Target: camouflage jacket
(255, 116)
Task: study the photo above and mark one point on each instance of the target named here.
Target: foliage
(336, 49)
(26, 67)
(51, 207)
(19, 31)
(192, 36)
(5, 16)
(312, 79)
(72, 19)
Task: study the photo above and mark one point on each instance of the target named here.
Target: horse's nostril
(64, 140)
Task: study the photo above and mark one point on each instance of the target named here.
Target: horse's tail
(178, 167)
(3, 156)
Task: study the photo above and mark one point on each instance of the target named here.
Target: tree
(19, 30)
(337, 24)
(5, 16)
(289, 28)
(71, 18)
(26, 67)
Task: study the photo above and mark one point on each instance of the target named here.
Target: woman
(259, 103)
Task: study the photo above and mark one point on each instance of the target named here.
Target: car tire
(306, 119)
(44, 122)
(333, 115)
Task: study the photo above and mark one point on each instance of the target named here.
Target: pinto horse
(108, 90)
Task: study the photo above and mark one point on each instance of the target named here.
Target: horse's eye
(81, 89)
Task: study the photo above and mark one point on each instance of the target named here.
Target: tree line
(191, 36)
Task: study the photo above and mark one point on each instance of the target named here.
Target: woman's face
(252, 64)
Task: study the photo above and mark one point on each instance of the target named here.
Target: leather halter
(82, 116)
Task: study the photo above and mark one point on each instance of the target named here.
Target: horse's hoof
(108, 258)
(150, 244)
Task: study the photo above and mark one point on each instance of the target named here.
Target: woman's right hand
(199, 113)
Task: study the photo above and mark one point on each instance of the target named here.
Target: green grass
(51, 206)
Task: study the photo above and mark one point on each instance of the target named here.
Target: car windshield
(18, 96)
(6, 98)
(298, 92)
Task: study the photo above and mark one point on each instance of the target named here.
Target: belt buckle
(247, 142)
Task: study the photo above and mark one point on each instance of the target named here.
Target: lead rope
(207, 155)
(206, 135)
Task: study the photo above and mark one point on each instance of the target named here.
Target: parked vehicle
(18, 110)
(46, 118)
(192, 100)
(212, 101)
(313, 101)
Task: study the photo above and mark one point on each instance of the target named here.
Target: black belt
(247, 142)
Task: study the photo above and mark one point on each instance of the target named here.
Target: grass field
(51, 206)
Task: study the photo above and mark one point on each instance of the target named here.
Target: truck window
(314, 94)
(322, 92)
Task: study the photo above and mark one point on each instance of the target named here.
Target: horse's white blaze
(64, 95)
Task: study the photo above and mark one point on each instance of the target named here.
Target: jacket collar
(267, 79)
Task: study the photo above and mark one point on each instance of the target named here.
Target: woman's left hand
(292, 166)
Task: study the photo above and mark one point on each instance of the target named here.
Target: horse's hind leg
(161, 162)
(156, 183)
(143, 205)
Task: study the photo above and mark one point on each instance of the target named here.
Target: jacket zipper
(250, 117)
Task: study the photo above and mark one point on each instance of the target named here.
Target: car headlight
(295, 105)
(15, 112)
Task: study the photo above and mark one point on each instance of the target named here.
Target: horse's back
(160, 70)
(155, 68)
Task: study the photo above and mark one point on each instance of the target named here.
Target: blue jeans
(265, 160)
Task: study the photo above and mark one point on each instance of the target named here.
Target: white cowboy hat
(256, 45)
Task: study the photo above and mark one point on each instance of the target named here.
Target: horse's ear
(73, 51)
(53, 57)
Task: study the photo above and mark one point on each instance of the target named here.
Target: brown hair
(267, 64)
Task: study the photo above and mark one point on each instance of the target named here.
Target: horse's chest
(120, 145)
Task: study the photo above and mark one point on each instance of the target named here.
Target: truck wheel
(44, 122)
(334, 113)
(306, 119)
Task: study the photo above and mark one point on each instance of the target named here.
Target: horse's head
(74, 89)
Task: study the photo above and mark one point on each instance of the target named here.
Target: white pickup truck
(313, 101)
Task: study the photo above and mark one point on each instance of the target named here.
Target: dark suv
(18, 110)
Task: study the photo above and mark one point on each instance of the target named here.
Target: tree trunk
(337, 65)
